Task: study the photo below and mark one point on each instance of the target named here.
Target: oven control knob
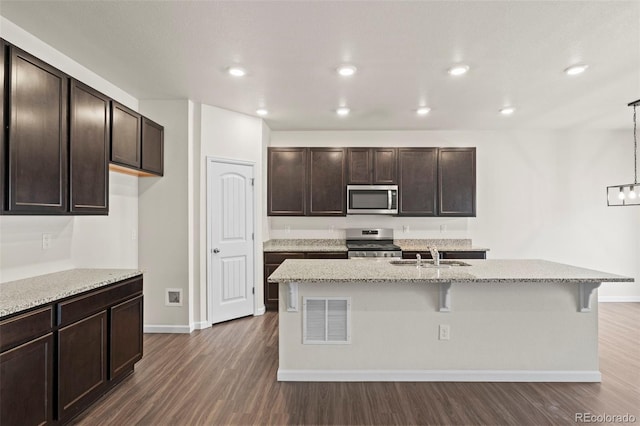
(386, 254)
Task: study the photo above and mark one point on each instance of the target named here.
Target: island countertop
(20, 295)
(380, 271)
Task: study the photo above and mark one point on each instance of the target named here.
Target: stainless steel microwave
(372, 199)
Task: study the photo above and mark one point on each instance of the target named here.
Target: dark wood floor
(227, 375)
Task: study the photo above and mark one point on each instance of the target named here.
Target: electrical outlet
(405, 228)
(443, 228)
(46, 241)
(444, 332)
(134, 234)
(287, 229)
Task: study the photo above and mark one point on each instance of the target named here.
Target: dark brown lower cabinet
(82, 363)
(85, 343)
(126, 339)
(26, 383)
(274, 259)
(447, 254)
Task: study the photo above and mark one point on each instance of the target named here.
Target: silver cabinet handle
(215, 250)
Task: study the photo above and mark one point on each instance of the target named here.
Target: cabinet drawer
(22, 328)
(83, 306)
(412, 254)
(464, 255)
(327, 255)
(278, 258)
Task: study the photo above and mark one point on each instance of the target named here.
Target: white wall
(227, 134)
(539, 195)
(164, 221)
(97, 241)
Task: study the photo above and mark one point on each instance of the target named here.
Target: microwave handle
(389, 200)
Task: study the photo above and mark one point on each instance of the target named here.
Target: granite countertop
(380, 271)
(341, 245)
(20, 295)
(304, 245)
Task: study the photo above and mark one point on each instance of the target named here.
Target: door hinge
(253, 181)
(253, 236)
(253, 290)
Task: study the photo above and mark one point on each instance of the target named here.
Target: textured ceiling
(517, 51)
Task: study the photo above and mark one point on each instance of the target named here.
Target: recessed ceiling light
(576, 69)
(346, 70)
(343, 111)
(423, 110)
(237, 71)
(507, 110)
(459, 69)
(262, 111)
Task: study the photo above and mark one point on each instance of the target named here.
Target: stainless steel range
(371, 243)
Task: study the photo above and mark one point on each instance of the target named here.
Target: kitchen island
(489, 320)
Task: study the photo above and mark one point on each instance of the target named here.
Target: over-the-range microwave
(372, 199)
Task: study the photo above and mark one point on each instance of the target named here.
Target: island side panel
(494, 327)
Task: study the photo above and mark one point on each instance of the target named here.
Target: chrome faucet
(435, 255)
(418, 260)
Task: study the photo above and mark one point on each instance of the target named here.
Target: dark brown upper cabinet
(89, 150)
(457, 182)
(37, 136)
(417, 181)
(372, 166)
(327, 188)
(126, 136)
(287, 181)
(152, 147)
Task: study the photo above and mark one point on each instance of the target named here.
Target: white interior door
(230, 247)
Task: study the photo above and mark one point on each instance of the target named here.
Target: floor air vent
(326, 320)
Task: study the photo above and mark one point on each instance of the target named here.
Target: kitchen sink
(429, 263)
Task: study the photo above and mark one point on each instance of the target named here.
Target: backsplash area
(334, 227)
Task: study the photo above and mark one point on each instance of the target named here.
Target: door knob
(215, 250)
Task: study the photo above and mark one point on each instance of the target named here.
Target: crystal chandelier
(629, 193)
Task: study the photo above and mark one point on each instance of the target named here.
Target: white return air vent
(326, 320)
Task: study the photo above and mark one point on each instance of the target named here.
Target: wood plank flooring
(227, 375)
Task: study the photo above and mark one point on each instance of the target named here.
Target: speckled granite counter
(450, 244)
(20, 295)
(294, 245)
(380, 271)
(304, 245)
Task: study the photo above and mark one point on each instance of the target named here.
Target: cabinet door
(125, 336)
(89, 145)
(287, 181)
(82, 363)
(384, 166)
(152, 147)
(359, 166)
(270, 289)
(457, 182)
(417, 181)
(3, 73)
(125, 136)
(27, 383)
(38, 136)
(327, 189)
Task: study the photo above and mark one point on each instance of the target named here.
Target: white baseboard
(260, 311)
(623, 299)
(437, 376)
(168, 329)
(200, 325)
